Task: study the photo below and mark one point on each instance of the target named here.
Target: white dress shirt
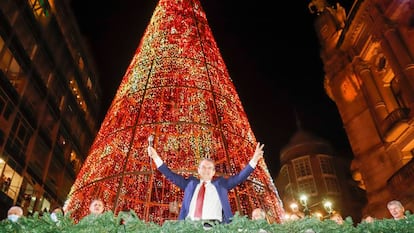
(212, 209)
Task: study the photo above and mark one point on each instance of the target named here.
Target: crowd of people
(395, 208)
(205, 197)
(97, 207)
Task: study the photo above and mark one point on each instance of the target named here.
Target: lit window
(40, 7)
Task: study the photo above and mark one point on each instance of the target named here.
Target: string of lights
(177, 89)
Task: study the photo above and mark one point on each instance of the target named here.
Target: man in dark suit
(216, 204)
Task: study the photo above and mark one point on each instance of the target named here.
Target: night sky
(270, 49)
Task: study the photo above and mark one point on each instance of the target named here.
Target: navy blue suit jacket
(222, 184)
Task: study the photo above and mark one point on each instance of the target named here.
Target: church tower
(176, 88)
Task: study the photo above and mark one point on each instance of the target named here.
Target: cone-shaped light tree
(178, 89)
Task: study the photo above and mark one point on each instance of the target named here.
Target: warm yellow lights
(350, 88)
(318, 215)
(303, 200)
(78, 95)
(310, 206)
(328, 206)
(294, 207)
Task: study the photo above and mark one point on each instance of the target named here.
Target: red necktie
(200, 200)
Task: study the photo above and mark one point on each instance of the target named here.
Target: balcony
(402, 179)
(395, 124)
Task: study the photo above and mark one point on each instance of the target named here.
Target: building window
(16, 76)
(6, 106)
(75, 161)
(11, 68)
(284, 174)
(5, 59)
(19, 138)
(326, 165)
(39, 7)
(332, 185)
(11, 179)
(307, 185)
(28, 200)
(302, 167)
(304, 177)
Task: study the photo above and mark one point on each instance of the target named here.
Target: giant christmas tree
(178, 89)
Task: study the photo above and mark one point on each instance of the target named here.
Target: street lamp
(304, 202)
(328, 207)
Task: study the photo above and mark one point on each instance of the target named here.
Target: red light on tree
(176, 88)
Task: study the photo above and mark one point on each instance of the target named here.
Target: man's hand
(152, 153)
(258, 153)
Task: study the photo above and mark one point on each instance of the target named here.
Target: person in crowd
(296, 216)
(337, 217)
(14, 213)
(396, 209)
(258, 214)
(6, 184)
(97, 207)
(368, 219)
(56, 214)
(2, 180)
(216, 206)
